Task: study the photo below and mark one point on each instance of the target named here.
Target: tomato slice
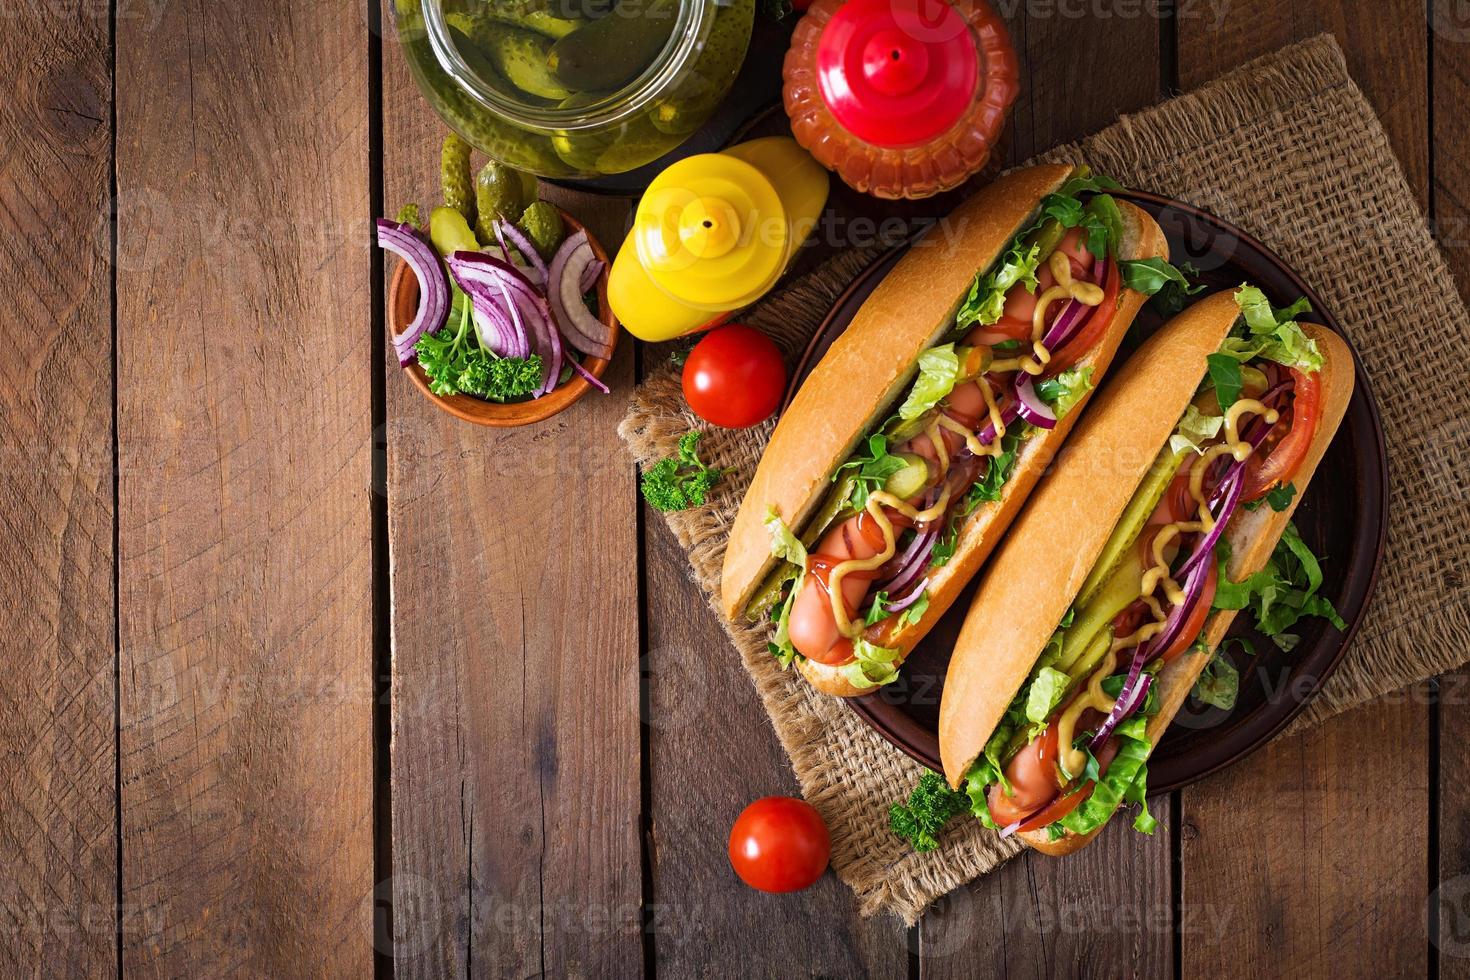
(1282, 464)
(1196, 621)
(1092, 331)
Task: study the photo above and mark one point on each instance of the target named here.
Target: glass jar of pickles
(574, 88)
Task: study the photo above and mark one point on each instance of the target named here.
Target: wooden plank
(1291, 863)
(244, 434)
(1082, 65)
(1105, 911)
(57, 718)
(700, 704)
(1109, 905)
(515, 757)
(1386, 56)
(1305, 892)
(1451, 213)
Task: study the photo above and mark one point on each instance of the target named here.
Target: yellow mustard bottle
(712, 234)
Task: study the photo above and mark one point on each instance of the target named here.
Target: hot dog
(913, 443)
(1178, 487)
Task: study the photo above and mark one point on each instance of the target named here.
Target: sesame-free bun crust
(1051, 550)
(1253, 536)
(868, 366)
(806, 431)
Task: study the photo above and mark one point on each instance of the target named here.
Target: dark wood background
(227, 523)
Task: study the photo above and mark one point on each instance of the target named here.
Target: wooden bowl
(403, 303)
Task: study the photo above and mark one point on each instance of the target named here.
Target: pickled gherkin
(607, 54)
(501, 193)
(543, 224)
(454, 176)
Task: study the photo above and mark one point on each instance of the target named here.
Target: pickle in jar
(607, 54)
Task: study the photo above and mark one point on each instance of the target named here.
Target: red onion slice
(581, 328)
(911, 563)
(592, 379)
(1011, 829)
(417, 252)
(1030, 406)
(523, 245)
(914, 595)
(1073, 316)
(590, 275)
(1128, 698)
(1233, 487)
(1008, 415)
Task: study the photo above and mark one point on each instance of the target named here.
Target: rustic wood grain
(1386, 56)
(245, 442)
(1109, 905)
(515, 755)
(57, 717)
(1326, 881)
(1291, 863)
(1450, 155)
(712, 751)
(1105, 911)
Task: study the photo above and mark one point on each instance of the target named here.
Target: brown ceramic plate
(1343, 517)
(403, 303)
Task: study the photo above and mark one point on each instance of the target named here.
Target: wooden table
(285, 649)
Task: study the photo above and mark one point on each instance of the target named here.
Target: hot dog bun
(854, 387)
(1253, 536)
(1052, 548)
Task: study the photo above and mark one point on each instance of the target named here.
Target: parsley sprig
(681, 481)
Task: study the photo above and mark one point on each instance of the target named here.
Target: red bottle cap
(897, 72)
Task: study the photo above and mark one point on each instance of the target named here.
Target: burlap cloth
(1287, 148)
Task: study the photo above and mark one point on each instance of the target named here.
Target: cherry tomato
(1281, 465)
(1086, 338)
(734, 377)
(1196, 621)
(1033, 776)
(779, 844)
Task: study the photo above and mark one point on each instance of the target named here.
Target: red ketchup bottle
(902, 98)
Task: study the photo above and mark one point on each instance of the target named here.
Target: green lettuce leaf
(1044, 694)
(1195, 429)
(1272, 334)
(939, 367)
(987, 298)
(1219, 683)
(874, 666)
(1282, 593)
(1226, 377)
(1125, 780)
(871, 471)
(915, 612)
(988, 488)
(784, 543)
(780, 643)
(1064, 391)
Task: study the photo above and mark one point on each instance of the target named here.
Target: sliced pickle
(1122, 589)
(1135, 516)
(910, 481)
